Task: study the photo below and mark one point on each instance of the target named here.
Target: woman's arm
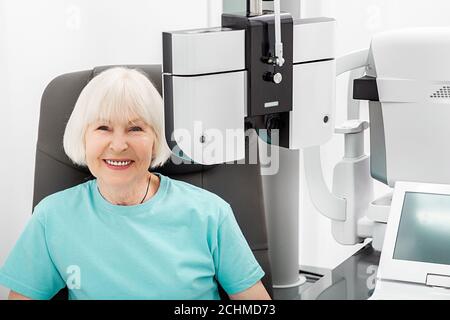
(256, 292)
(16, 296)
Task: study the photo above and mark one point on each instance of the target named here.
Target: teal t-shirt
(173, 246)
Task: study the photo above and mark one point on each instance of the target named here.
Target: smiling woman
(129, 233)
(120, 118)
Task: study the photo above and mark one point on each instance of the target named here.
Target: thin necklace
(149, 180)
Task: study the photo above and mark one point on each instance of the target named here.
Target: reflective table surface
(354, 279)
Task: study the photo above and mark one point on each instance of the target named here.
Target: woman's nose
(118, 142)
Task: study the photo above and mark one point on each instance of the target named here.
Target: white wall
(357, 21)
(42, 39)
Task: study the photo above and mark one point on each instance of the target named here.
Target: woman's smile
(118, 165)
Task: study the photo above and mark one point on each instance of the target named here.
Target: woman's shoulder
(64, 198)
(195, 194)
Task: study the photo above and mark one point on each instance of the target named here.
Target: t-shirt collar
(133, 209)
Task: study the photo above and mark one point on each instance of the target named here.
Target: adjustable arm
(323, 199)
(351, 61)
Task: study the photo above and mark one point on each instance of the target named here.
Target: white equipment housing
(206, 85)
(412, 72)
(408, 86)
(409, 122)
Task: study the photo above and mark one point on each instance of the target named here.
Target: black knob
(273, 77)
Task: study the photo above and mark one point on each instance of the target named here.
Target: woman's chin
(118, 181)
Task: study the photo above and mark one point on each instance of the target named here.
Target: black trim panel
(167, 52)
(168, 109)
(365, 88)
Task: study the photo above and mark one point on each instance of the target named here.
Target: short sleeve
(236, 266)
(29, 269)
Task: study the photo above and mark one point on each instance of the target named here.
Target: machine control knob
(273, 77)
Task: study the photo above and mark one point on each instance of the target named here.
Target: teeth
(118, 163)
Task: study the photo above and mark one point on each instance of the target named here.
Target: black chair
(240, 185)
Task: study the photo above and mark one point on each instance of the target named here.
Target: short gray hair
(117, 93)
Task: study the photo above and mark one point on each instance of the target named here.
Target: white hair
(116, 94)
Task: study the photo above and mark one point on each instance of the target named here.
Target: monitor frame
(404, 270)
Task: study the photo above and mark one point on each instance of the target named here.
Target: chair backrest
(239, 184)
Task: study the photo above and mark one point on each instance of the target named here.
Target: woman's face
(119, 153)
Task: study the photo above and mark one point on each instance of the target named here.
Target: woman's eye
(135, 129)
(102, 128)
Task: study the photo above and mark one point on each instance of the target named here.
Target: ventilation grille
(442, 93)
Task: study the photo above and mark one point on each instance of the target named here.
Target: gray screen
(424, 229)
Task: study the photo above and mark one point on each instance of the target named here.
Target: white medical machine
(259, 72)
(266, 72)
(415, 261)
(407, 83)
(228, 78)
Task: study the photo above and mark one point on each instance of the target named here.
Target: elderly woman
(129, 233)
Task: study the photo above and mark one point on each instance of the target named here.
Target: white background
(42, 39)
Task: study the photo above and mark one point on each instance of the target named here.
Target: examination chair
(239, 184)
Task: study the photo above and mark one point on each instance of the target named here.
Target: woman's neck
(130, 194)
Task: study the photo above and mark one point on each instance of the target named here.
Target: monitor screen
(424, 228)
